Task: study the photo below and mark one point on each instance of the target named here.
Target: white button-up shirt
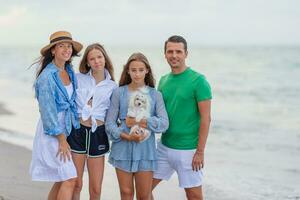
(99, 93)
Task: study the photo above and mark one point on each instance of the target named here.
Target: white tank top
(69, 89)
(61, 115)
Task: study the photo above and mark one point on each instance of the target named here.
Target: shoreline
(4, 110)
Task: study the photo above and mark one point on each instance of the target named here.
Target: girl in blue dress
(132, 155)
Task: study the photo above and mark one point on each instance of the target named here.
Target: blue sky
(141, 22)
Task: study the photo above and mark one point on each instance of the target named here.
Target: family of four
(80, 113)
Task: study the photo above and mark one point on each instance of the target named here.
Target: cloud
(12, 17)
(150, 22)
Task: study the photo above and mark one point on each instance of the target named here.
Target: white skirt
(45, 166)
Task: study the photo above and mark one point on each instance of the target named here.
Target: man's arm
(204, 111)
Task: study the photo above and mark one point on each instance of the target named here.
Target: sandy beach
(15, 182)
(253, 147)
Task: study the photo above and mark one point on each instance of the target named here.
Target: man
(187, 97)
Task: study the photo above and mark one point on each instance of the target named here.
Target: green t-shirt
(181, 94)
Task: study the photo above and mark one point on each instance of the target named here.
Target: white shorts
(171, 160)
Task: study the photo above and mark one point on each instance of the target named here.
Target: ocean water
(253, 149)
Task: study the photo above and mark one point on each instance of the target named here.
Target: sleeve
(47, 106)
(111, 126)
(159, 122)
(159, 84)
(202, 89)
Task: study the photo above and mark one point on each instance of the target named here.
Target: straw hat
(58, 37)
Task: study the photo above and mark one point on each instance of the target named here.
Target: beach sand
(4, 111)
(16, 184)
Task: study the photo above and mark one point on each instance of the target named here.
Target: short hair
(176, 39)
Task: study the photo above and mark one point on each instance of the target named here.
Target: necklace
(59, 68)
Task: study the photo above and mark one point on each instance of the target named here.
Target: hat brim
(76, 45)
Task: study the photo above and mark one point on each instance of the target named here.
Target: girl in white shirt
(89, 144)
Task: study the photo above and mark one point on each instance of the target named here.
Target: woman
(89, 144)
(132, 155)
(54, 87)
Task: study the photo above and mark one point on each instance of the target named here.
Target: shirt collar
(106, 74)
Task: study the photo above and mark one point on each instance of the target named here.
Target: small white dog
(139, 107)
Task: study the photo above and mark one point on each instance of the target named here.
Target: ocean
(253, 148)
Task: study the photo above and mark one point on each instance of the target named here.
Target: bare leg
(126, 185)
(54, 191)
(155, 182)
(194, 193)
(96, 169)
(79, 161)
(66, 189)
(143, 185)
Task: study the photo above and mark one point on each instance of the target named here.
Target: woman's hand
(135, 136)
(130, 122)
(143, 123)
(64, 150)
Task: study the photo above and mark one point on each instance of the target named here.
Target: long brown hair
(125, 77)
(43, 61)
(83, 66)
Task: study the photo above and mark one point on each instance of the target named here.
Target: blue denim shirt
(158, 122)
(53, 98)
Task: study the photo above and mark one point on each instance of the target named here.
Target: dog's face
(140, 131)
(140, 101)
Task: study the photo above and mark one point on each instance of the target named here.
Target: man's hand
(198, 161)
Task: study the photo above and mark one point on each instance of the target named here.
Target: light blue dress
(132, 156)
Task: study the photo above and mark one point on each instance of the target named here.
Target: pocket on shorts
(186, 159)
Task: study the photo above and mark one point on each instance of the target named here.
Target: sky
(142, 22)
